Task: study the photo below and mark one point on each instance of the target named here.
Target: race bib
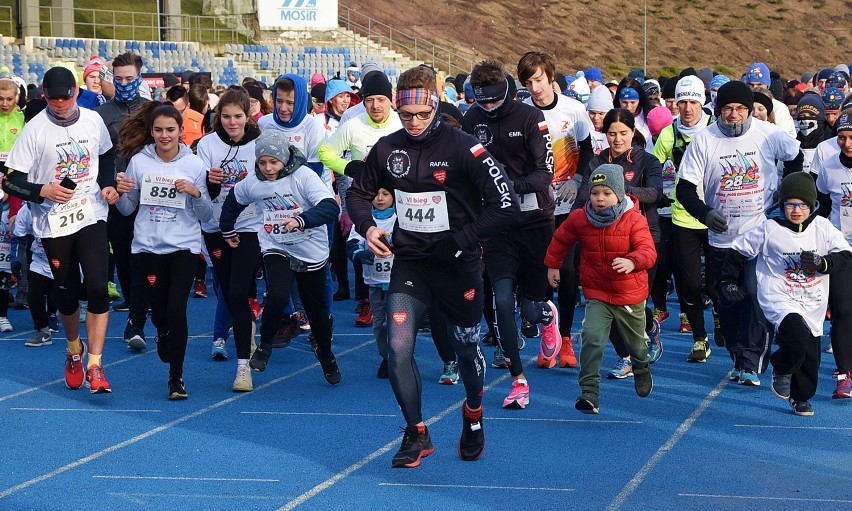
(563, 207)
(529, 202)
(273, 224)
(6, 257)
(422, 212)
(68, 218)
(846, 222)
(380, 270)
(158, 190)
(4, 157)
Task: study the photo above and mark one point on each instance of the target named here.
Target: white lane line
(562, 420)
(325, 414)
(757, 497)
(159, 429)
(684, 427)
(818, 428)
(478, 487)
(179, 478)
(119, 410)
(343, 474)
(111, 364)
(139, 498)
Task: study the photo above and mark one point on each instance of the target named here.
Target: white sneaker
(5, 326)
(243, 383)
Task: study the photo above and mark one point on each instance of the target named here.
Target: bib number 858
(70, 218)
(164, 192)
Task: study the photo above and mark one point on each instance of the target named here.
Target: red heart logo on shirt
(267, 228)
(217, 253)
(470, 294)
(399, 317)
(436, 199)
(152, 279)
(440, 176)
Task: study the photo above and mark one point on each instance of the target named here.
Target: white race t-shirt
(835, 180)
(47, 153)
(736, 175)
(236, 162)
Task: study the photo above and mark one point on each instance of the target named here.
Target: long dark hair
(233, 96)
(135, 133)
(644, 102)
(625, 117)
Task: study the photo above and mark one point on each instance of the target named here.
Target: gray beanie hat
(610, 175)
(272, 143)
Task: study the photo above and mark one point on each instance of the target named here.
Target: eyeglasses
(791, 206)
(423, 116)
(728, 110)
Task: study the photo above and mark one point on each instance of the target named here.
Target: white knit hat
(689, 88)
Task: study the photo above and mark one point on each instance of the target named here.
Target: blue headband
(628, 93)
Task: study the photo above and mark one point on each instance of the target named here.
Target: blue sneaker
(499, 361)
(781, 385)
(749, 378)
(655, 342)
(219, 351)
(802, 408)
(623, 368)
(450, 376)
(734, 374)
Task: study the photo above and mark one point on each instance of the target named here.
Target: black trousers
(41, 299)
(689, 245)
(798, 354)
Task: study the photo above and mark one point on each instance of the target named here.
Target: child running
(617, 252)
(295, 205)
(795, 250)
(169, 186)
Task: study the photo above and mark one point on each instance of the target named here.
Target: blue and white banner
(274, 14)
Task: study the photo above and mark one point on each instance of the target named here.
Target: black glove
(447, 251)
(354, 167)
(716, 222)
(811, 261)
(731, 292)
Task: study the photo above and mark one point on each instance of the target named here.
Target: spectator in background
(193, 122)
(258, 106)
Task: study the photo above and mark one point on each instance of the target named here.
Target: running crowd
(453, 198)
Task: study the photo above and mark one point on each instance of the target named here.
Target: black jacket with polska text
(518, 137)
(480, 200)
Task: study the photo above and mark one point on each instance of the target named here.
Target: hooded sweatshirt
(167, 220)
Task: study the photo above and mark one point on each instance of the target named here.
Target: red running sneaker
(365, 313)
(96, 380)
(567, 357)
(74, 373)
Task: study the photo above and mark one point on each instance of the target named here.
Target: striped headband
(416, 96)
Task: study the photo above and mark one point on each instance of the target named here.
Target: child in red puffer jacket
(617, 251)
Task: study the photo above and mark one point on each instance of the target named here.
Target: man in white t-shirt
(55, 165)
(726, 180)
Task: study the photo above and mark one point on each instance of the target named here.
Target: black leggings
(798, 354)
(5, 285)
(840, 304)
(235, 268)
(689, 245)
(170, 278)
(312, 290)
(667, 266)
(414, 285)
(120, 236)
(41, 299)
(87, 249)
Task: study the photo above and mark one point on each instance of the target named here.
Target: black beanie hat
(734, 92)
(375, 83)
(763, 97)
(669, 88)
(798, 185)
(318, 92)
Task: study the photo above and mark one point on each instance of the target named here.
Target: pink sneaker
(551, 341)
(519, 397)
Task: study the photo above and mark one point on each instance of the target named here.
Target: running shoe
(643, 382)
(551, 340)
(364, 313)
(685, 327)
(53, 323)
(450, 376)
(844, 386)
(749, 378)
(329, 368)
(519, 397)
(529, 329)
(243, 383)
(177, 390)
(802, 408)
(499, 361)
(200, 288)
(655, 341)
(567, 357)
(21, 302)
(5, 325)
(700, 352)
(112, 291)
(781, 385)
(96, 380)
(134, 336)
(587, 403)
(260, 357)
(287, 331)
(416, 445)
(661, 315)
(121, 307)
(302, 321)
(472, 441)
(74, 373)
(623, 368)
(41, 338)
(219, 351)
(734, 374)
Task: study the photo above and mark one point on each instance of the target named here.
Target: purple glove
(345, 224)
